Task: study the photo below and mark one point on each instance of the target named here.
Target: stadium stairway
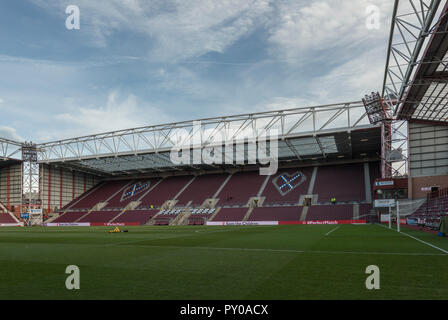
(140, 216)
(214, 214)
(100, 216)
(117, 216)
(248, 213)
(151, 221)
(184, 188)
(304, 213)
(355, 211)
(222, 186)
(83, 216)
(6, 211)
(70, 216)
(181, 218)
(54, 217)
(155, 183)
(129, 207)
(100, 194)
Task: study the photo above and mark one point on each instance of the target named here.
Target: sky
(144, 62)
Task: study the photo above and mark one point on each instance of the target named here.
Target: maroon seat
(6, 218)
(276, 214)
(140, 216)
(240, 188)
(203, 187)
(197, 219)
(100, 194)
(165, 190)
(330, 212)
(231, 214)
(344, 182)
(70, 216)
(100, 216)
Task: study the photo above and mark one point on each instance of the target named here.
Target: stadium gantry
(304, 134)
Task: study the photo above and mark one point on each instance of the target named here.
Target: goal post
(403, 211)
(407, 211)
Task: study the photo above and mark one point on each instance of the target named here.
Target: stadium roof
(320, 133)
(416, 75)
(10, 149)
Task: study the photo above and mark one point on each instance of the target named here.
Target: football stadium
(298, 203)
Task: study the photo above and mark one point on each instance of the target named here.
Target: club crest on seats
(286, 182)
(135, 189)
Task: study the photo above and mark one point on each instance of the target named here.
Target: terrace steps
(222, 186)
(248, 213)
(117, 216)
(304, 213)
(214, 214)
(181, 218)
(355, 211)
(82, 217)
(152, 220)
(5, 210)
(54, 217)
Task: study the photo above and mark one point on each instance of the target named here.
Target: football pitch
(242, 262)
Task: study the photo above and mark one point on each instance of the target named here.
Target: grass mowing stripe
(293, 251)
(203, 232)
(415, 238)
(272, 262)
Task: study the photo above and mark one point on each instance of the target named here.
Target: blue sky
(142, 62)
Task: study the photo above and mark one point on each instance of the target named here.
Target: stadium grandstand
(334, 161)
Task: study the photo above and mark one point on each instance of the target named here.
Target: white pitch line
(427, 243)
(334, 229)
(424, 242)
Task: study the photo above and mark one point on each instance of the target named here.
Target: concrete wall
(428, 150)
(59, 186)
(428, 158)
(11, 185)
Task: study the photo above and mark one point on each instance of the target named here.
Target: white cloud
(10, 133)
(197, 27)
(303, 27)
(1, 100)
(115, 115)
(351, 80)
(178, 29)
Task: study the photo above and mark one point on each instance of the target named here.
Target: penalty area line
(427, 243)
(334, 229)
(419, 240)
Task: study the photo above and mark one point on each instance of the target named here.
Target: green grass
(252, 262)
